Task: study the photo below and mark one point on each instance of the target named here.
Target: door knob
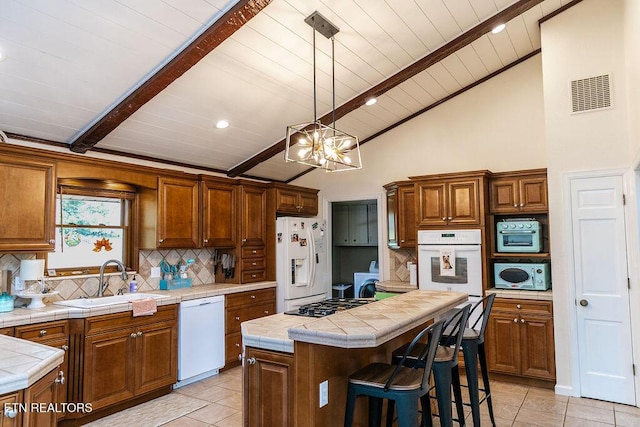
(584, 302)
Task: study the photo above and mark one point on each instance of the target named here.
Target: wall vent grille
(592, 93)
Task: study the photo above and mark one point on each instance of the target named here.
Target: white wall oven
(451, 260)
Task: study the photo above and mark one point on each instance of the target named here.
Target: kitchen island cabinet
(287, 357)
(43, 392)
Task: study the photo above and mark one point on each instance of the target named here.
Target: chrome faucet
(103, 285)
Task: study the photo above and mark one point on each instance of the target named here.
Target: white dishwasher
(200, 339)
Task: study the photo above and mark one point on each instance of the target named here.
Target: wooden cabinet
(126, 356)
(178, 213)
(456, 199)
(519, 192)
(54, 334)
(401, 215)
(240, 307)
(28, 189)
(44, 391)
(295, 201)
(6, 331)
(253, 233)
(355, 223)
(10, 416)
(520, 338)
(219, 213)
(268, 388)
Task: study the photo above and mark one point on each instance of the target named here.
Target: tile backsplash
(72, 287)
(398, 260)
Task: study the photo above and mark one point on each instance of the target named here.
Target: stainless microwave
(519, 235)
(527, 276)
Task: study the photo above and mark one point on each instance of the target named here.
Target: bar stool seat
(403, 383)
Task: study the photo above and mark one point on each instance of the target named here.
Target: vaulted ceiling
(150, 79)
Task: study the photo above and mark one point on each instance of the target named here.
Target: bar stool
(404, 383)
(473, 350)
(445, 369)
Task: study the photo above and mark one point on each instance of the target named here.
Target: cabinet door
(219, 214)
(537, 351)
(431, 204)
(463, 203)
(372, 224)
(156, 361)
(407, 234)
(358, 225)
(340, 224)
(533, 194)
(28, 190)
(108, 373)
(42, 392)
(503, 343)
(503, 196)
(287, 201)
(10, 416)
(177, 213)
(393, 225)
(309, 203)
(269, 395)
(254, 216)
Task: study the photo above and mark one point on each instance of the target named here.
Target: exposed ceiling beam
(432, 58)
(211, 38)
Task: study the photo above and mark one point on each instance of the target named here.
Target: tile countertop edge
(39, 360)
(521, 294)
(25, 316)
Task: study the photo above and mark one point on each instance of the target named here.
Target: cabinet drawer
(250, 297)
(253, 252)
(40, 332)
(6, 331)
(119, 321)
(523, 306)
(233, 347)
(253, 264)
(234, 318)
(252, 276)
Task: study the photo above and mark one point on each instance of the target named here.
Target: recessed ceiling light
(221, 124)
(371, 101)
(498, 28)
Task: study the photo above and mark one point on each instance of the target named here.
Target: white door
(602, 295)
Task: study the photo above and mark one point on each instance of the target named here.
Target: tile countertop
(367, 326)
(25, 316)
(519, 294)
(25, 362)
(395, 286)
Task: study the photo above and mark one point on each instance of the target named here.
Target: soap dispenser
(133, 286)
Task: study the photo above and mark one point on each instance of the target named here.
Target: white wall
(586, 40)
(632, 47)
(497, 125)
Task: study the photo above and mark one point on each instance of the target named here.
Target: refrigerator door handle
(312, 257)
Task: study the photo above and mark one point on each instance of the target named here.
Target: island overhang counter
(289, 361)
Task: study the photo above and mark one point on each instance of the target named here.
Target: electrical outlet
(324, 393)
(155, 272)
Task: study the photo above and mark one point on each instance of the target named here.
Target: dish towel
(144, 307)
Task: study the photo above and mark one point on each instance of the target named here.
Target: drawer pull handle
(43, 332)
(60, 379)
(238, 318)
(65, 347)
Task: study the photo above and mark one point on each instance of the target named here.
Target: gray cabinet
(355, 223)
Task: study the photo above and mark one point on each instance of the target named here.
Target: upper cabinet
(253, 211)
(219, 212)
(28, 189)
(177, 213)
(519, 192)
(355, 223)
(401, 215)
(294, 201)
(456, 199)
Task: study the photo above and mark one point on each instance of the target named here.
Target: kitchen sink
(104, 301)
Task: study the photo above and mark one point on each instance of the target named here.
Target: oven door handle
(517, 231)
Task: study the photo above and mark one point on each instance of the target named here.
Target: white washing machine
(359, 278)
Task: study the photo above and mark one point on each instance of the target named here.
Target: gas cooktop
(327, 307)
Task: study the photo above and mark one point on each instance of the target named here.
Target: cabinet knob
(238, 345)
(254, 263)
(238, 318)
(206, 240)
(254, 251)
(253, 276)
(402, 241)
(266, 312)
(43, 332)
(133, 335)
(515, 320)
(65, 347)
(515, 205)
(518, 306)
(10, 413)
(521, 320)
(139, 334)
(160, 240)
(251, 361)
(60, 379)
(450, 218)
(52, 242)
(244, 240)
(252, 297)
(444, 218)
(521, 204)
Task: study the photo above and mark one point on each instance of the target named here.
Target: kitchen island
(288, 359)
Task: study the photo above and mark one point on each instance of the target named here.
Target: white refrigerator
(301, 262)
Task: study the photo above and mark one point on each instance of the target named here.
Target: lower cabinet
(268, 388)
(17, 406)
(9, 416)
(240, 307)
(126, 357)
(519, 338)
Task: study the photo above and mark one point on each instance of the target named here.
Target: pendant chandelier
(314, 143)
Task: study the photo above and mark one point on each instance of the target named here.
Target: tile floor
(514, 405)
